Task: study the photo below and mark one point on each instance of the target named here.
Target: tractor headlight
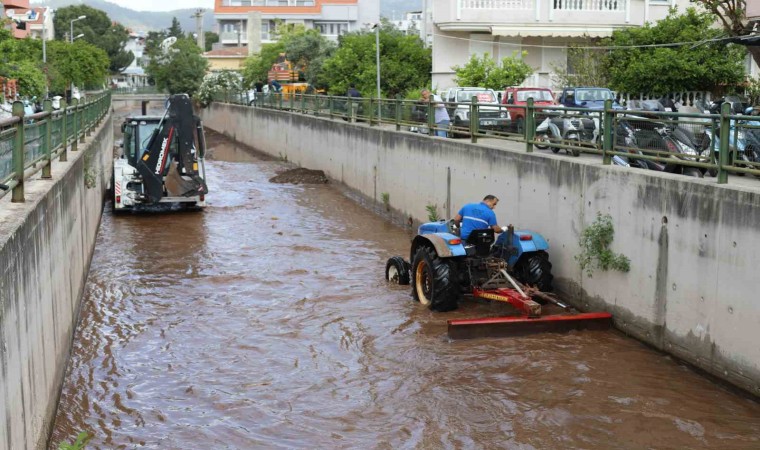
(503, 114)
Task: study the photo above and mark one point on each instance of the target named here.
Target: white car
(491, 114)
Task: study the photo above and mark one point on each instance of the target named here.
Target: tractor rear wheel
(397, 271)
(535, 270)
(434, 281)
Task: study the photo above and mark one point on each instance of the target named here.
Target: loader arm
(174, 141)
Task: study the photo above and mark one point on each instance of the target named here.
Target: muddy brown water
(265, 322)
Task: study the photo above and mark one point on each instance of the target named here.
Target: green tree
(98, 30)
(175, 29)
(405, 63)
(255, 67)
(21, 59)
(211, 38)
(31, 80)
(306, 50)
(585, 67)
(732, 15)
(659, 70)
(181, 69)
(153, 43)
(486, 72)
(93, 27)
(80, 63)
(113, 42)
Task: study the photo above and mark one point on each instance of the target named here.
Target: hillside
(156, 20)
(389, 8)
(138, 20)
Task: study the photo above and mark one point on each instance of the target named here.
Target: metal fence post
(371, 112)
(18, 154)
(82, 124)
(64, 131)
(330, 106)
(47, 106)
(292, 100)
(74, 125)
(398, 104)
(530, 125)
(431, 116)
(723, 156)
(607, 137)
(474, 120)
(303, 103)
(279, 100)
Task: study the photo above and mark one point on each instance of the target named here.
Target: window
(331, 28)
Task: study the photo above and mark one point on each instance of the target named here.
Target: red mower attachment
(530, 320)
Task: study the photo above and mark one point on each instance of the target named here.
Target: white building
(331, 17)
(541, 28)
(410, 24)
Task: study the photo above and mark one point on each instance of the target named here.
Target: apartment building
(331, 17)
(542, 29)
(38, 21)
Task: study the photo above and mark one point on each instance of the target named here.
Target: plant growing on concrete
(79, 444)
(386, 200)
(432, 211)
(90, 174)
(595, 248)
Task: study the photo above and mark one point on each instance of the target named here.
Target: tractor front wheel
(434, 281)
(397, 271)
(535, 270)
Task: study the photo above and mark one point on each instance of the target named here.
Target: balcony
(231, 37)
(600, 16)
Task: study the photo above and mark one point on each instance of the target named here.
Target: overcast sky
(163, 5)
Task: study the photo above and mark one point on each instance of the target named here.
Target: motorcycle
(566, 129)
(683, 141)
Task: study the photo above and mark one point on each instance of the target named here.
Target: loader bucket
(521, 325)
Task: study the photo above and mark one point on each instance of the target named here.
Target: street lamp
(377, 55)
(71, 35)
(77, 37)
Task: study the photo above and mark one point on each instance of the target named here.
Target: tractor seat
(481, 241)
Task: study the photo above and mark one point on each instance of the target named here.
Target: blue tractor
(444, 268)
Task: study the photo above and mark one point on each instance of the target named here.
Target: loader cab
(137, 133)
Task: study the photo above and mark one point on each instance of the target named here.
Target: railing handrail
(54, 132)
(720, 155)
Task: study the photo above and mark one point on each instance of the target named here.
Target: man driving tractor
(478, 216)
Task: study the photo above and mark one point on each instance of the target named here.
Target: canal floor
(265, 322)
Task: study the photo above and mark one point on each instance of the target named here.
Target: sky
(163, 5)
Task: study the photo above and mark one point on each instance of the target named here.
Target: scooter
(561, 128)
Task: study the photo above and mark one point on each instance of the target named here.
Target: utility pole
(200, 35)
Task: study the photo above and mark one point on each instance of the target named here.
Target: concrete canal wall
(693, 245)
(46, 245)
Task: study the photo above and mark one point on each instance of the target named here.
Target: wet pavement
(265, 322)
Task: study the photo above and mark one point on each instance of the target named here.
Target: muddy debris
(300, 176)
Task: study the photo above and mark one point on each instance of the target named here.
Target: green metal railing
(28, 144)
(720, 143)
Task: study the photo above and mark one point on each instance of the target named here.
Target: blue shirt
(476, 216)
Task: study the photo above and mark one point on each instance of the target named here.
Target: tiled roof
(229, 51)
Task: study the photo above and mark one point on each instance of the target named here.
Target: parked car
(518, 97)
(492, 116)
(587, 97)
